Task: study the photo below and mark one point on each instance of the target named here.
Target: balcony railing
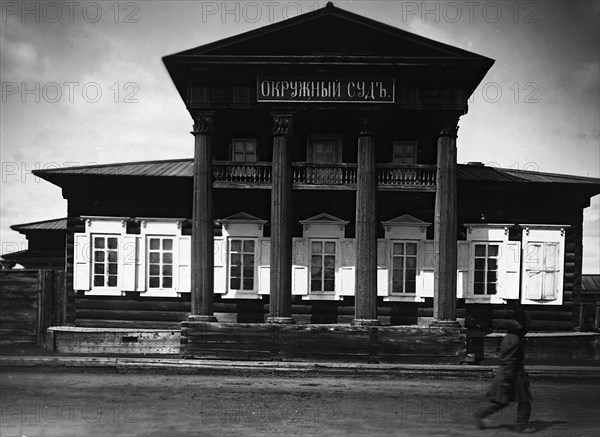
(342, 175)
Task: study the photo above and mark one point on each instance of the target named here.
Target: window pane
(99, 243)
(167, 282)
(411, 287)
(398, 262)
(98, 256)
(250, 146)
(112, 256)
(479, 263)
(248, 259)
(154, 269)
(411, 275)
(317, 247)
(236, 245)
(398, 249)
(167, 258)
(493, 250)
(315, 285)
(248, 284)
(99, 269)
(154, 244)
(491, 288)
(315, 261)
(112, 280)
(409, 149)
(411, 262)
(329, 274)
(236, 271)
(112, 268)
(329, 247)
(168, 270)
(154, 282)
(328, 285)
(329, 261)
(479, 250)
(238, 146)
(235, 283)
(248, 246)
(411, 248)
(492, 264)
(479, 288)
(154, 257)
(239, 156)
(98, 281)
(479, 276)
(249, 271)
(236, 258)
(492, 276)
(410, 160)
(112, 243)
(315, 273)
(167, 244)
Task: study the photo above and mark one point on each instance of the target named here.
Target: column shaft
(444, 299)
(365, 312)
(281, 223)
(202, 228)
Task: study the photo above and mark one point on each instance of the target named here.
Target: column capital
(449, 129)
(203, 122)
(366, 126)
(282, 123)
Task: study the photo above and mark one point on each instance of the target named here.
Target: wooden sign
(336, 90)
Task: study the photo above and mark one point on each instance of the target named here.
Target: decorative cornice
(203, 122)
(449, 129)
(282, 124)
(366, 126)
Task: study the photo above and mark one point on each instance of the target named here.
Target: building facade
(324, 189)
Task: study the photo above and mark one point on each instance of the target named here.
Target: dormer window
(243, 150)
(404, 152)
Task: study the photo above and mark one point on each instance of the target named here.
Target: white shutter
(81, 261)
(128, 263)
(551, 271)
(299, 266)
(264, 262)
(220, 265)
(140, 264)
(533, 260)
(347, 284)
(463, 264)
(509, 270)
(427, 256)
(383, 256)
(184, 270)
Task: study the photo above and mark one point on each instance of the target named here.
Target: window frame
(323, 240)
(245, 140)
(174, 263)
(404, 143)
(501, 246)
(312, 138)
(105, 289)
(255, 254)
(417, 267)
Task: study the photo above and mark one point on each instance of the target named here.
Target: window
(541, 269)
(404, 152)
(160, 262)
(486, 268)
(105, 260)
(324, 148)
(244, 150)
(322, 266)
(404, 267)
(241, 264)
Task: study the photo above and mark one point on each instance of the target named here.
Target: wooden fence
(30, 301)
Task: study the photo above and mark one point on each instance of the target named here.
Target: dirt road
(101, 403)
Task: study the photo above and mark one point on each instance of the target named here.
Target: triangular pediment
(405, 220)
(329, 31)
(242, 217)
(324, 219)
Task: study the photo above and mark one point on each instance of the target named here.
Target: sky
(83, 83)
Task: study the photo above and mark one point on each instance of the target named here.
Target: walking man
(511, 383)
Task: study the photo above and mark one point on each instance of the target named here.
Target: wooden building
(324, 189)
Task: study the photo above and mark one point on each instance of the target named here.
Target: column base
(365, 322)
(445, 324)
(280, 320)
(201, 318)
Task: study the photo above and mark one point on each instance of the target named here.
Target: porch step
(122, 341)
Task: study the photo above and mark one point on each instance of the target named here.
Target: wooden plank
(140, 324)
(167, 316)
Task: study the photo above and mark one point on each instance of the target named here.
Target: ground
(63, 402)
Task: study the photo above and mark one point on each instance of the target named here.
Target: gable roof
(324, 219)
(405, 220)
(59, 224)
